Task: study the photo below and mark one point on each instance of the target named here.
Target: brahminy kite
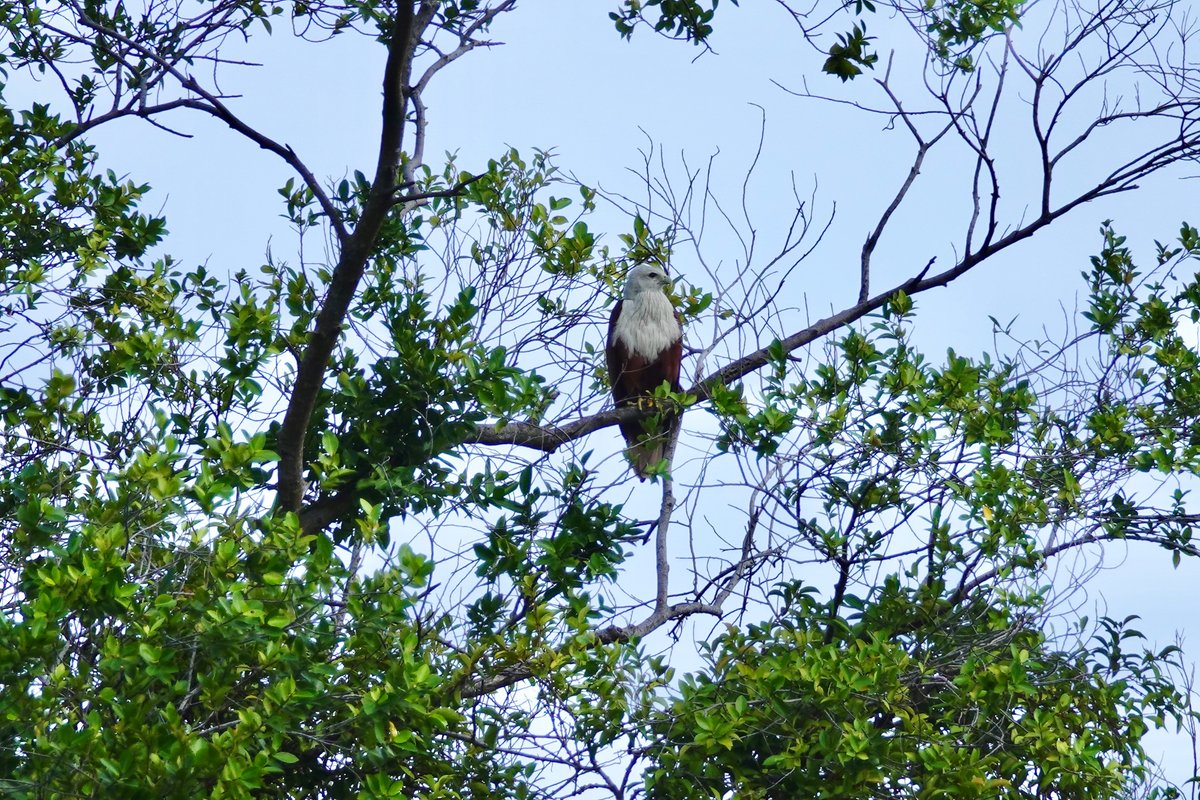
(645, 347)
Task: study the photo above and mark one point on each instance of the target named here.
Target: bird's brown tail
(645, 456)
(643, 450)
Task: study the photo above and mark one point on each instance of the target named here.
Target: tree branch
(343, 284)
(213, 106)
(550, 438)
(516, 673)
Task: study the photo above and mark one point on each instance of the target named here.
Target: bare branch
(211, 104)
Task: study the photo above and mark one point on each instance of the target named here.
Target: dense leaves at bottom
(979, 705)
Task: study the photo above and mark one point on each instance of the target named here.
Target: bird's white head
(645, 278)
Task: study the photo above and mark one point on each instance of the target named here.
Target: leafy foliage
(679, 19)
(978, 706)
(443, 615)
(850, 54)
(956, 27)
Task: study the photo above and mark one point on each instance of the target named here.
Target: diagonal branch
(915, 285)
(343, 283)
(210, 104)
(964, 590)
(517, 673)
(550, 438)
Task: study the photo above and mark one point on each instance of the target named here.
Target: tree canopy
(356, 523)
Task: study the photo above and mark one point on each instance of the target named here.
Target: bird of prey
(645, 347)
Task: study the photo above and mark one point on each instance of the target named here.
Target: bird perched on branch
(645, 348)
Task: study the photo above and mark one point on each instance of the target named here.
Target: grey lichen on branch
(548, 438)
